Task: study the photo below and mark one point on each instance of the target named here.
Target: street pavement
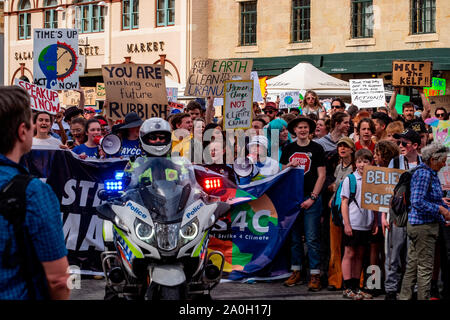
(91, 289)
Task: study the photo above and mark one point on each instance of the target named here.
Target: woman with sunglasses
(311, 104)
(441, 113)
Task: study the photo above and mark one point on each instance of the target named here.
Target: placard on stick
(41, 99)
(135, 87)
(238, 101)
(367, 93)
(378, 185)
(412, 73)
(207, 76)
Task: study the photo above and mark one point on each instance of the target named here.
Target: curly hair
(387, 151)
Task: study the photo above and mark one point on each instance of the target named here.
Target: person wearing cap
(271, 110)
(130, 135)
(420, 128)
(396, 242)
(89, 113)
(266, 166)
(346, 151)
(310, 156)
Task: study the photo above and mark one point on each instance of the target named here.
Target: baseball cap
(409, 134)
(347, 141)
(270, 105)
(259, 140)
(89, 109)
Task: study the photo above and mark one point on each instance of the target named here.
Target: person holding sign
(358, 223)
(428, 210)
(408, 109)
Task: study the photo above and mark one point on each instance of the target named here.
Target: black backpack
(13, 209)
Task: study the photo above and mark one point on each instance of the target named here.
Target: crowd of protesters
(333, 147)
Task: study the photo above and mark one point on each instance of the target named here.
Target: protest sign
(101, 93)
(207, 76)
(367, 93)
(441, 132)
(290, 100)
(439, 102)
(41, 99)
(263, 85)
(238, 102)
(399, 101)
(135, 87)
(172, 94)
(412, 73)
(72, 98)
(257, 95)
(55, 63)
(444, 176)
(378, 185)
(438, 87)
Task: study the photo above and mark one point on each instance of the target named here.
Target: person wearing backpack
(428, 210)
(33, 254)
(395, 238)
(358, 223)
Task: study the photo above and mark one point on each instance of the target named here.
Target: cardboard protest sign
(439, 102)
(172, 94)
(412, 73)
(238, 102)
(135, 87)
(290, 100)
(378, 185)
(399, 101)
(367, 93)
(207, 76)
(41, 99)
(55, 63)
(72, 98)
(101, 93)
(438, 87)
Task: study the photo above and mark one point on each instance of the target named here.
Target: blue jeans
(311, 218)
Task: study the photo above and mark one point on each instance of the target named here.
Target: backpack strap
(13, 205)
(397, 162)
(352, 185)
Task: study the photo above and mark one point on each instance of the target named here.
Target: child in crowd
(358, 223)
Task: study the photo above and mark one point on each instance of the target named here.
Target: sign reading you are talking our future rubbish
(238, 102)
(135, 87)
(378, 185)
(41, 99)
(412, 73)
(55, 62)
(207, 76)
(367, 93)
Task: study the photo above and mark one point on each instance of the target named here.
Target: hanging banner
(238, 104)
(41, 99)
(378, 185)
(135, 87)
(367, 93)
(412, 73)
(55, 62)
(207, 76)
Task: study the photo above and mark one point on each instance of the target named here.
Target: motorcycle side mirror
(105, 212)
(103, 195)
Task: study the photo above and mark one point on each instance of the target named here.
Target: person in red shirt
(365, 129)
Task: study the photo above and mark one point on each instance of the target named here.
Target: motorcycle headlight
(167, 236)
(144, 231)
(189, 231)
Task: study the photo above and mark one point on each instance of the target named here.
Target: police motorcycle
(157, 224)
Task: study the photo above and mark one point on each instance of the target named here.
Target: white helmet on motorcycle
(156, 137)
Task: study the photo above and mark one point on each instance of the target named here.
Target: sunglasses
(155, 137)
(336, 107)
(269, 112)
(440, 115)
(403, 143)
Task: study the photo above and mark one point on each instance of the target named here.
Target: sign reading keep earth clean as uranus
(56, 58)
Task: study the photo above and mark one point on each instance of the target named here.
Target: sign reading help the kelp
(238, 101)
(412, 73)
(207, 76)
(135, 87)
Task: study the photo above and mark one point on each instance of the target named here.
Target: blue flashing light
(118, 175)
(113, 185)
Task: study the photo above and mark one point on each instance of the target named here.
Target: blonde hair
(395, 127)
(316, 99)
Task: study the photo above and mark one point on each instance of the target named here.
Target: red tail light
(212, 183)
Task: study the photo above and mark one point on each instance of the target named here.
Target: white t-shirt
(269, 168)
(360, 219)
(50, 141)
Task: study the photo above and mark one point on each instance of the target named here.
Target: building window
(165, 13)
(130, 14)
(301, 20)
(24, 20)
(423, 16)
(362, 18)
(92, 17)
(248, 23)
(51, 15)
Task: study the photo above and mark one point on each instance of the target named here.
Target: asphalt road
(91, 289)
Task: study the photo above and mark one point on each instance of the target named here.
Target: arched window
(130, 14)
(24, 20)
(92, 17)
(51, 15)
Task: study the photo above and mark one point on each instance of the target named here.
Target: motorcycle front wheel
(159, 292)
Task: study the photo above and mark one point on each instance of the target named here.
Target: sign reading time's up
(55, 58)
